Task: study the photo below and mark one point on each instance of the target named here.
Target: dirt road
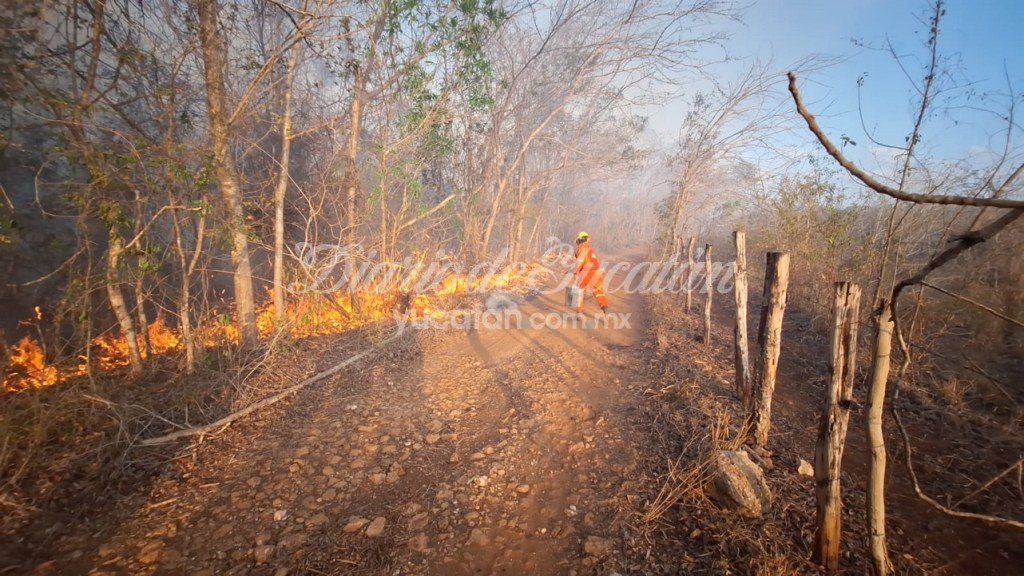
(532, 446)
(463, 451)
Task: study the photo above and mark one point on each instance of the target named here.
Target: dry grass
(980, 438)
(73, 445)
(694, 417)
(953, 393)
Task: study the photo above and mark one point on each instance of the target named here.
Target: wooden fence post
(740, 332)
(876, 441)
(828, 452)
(689, 273)
(769, 336)
(708, 291)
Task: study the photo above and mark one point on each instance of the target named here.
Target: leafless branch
(964, 242)
(7, 199)
(991, 311)
(427, 214)
(989, 484)
(49, 275)
(881, 188)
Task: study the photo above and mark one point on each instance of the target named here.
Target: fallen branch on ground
(266, 401)
(999, 385)
(1015, 466)
(995, 520)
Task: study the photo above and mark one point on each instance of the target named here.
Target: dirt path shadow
(469, 450)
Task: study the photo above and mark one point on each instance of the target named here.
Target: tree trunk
(515, 222)
(828, 452)
(214, 61)
(185, 324)
(140, 288)
(140, 301)
(769, 337)
(352, 174)
(187, 267)
(124, 318)
(689, 273)
(382, 222)
(531, 244)
(492, 219)
(675, 239)
(709, 292)
(742, 356)
(515, 249)
(280, 312)
(876, 441)
(355, 118)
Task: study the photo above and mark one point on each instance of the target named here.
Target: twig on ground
(988, 484)
(991, 311)
(908, 462)
(225, 421)
(999, 385)
(676, 487)
(163, 503)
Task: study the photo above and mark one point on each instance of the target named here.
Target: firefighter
(588, 273)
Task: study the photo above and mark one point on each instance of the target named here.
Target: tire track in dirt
(466, 452)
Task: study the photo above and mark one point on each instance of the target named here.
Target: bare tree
(889, 322)
(214, 51)
(281, 188)
(577, 62)
(719, 126)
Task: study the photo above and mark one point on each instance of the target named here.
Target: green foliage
(58, 245)
(375, 193)
(185, 119)
(147, 263)
(9, 228)
(111, 213)
(129, 54)
(428, 116)
(665, 221)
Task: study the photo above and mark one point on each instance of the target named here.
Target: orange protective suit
(589, 275)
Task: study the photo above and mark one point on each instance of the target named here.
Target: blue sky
(983, 36)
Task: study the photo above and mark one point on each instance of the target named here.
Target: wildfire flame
(308, 315)
(28, 367)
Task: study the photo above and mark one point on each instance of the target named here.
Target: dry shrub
(684, 482)
(775, 564)
(49, 435)
(835, 234)
(76, 437)
(953, 392)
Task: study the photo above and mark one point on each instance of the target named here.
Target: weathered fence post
(828, 452)
(689, 273)
(740, 333)
(876, 440)
(708, 291)
(769, 336)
